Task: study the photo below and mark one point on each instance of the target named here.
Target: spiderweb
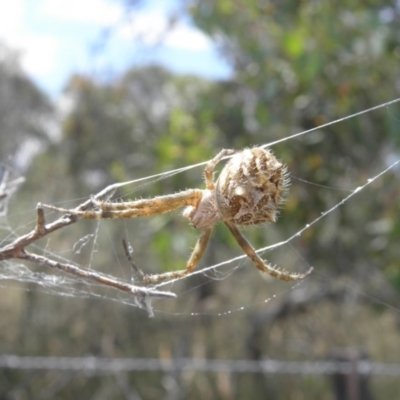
(82, 252)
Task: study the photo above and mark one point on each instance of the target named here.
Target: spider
(248, 191)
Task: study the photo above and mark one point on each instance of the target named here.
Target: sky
(56, 38)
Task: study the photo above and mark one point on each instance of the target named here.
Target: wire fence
(96, 365)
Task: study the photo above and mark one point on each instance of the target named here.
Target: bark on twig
(17, 250)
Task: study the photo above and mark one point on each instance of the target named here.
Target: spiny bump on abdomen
(251, 187)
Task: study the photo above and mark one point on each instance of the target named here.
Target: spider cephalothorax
(248, 191)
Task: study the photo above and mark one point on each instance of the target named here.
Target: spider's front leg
(209, 169)
(260, 264)
(194, 259)
(136, 208)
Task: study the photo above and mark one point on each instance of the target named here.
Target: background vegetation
(297, 65)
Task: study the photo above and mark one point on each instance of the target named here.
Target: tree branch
(16, 250)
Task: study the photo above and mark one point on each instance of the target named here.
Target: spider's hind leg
(259, 263)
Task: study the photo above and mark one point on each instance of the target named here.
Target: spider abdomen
(251, 187)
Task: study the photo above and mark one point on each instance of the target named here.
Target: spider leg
(194, 259)
(260, 264)
(136, 208)
(163, 204)
(209, 169)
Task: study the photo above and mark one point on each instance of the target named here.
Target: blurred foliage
(297, 65)
(112, 129)
(25, 112)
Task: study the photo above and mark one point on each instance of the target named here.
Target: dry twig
(17, 250)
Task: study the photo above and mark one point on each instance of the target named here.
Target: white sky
(56, 38)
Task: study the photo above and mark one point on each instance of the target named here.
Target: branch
(16, 250)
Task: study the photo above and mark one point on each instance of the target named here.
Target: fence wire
(96, 365)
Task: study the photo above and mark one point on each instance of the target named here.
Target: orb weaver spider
(248, 191)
